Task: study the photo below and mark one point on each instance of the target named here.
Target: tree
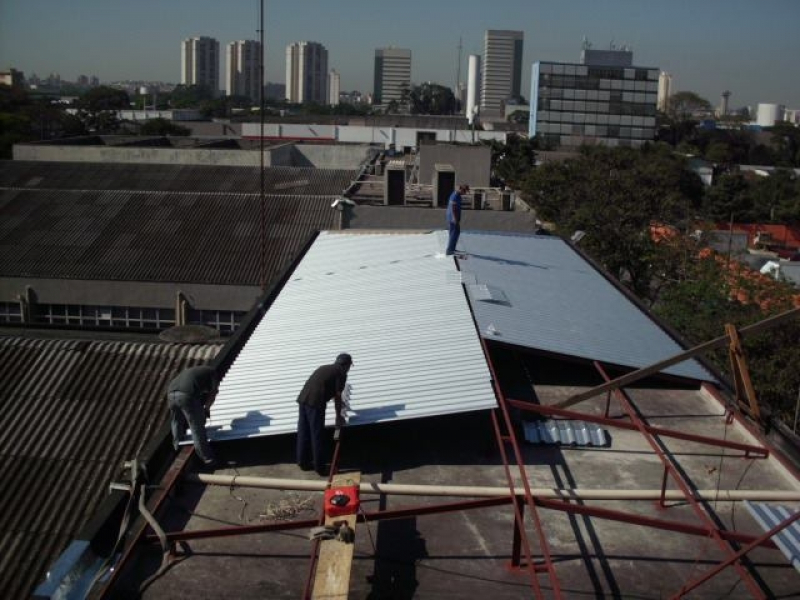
(512, 161)
(786, 141)
(614, 196)
(162, 127)
(190, 96)
(431, 99)
(728, 198)
(686, 105)
(99, 107)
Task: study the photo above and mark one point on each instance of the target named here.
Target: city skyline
(747, 48)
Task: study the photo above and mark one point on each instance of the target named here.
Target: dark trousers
(310, 440)
(455, 231)
(186, 411)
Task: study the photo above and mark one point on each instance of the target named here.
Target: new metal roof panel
(537, 292)
(769, 517)
(393, 302)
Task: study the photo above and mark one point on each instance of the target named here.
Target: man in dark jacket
(190, 396)
(326, 382)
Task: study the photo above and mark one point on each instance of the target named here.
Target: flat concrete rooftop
(467, 554)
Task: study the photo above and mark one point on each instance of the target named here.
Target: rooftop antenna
(586, 44)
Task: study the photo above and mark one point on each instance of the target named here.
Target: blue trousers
(455, 231)
(187, 410)
(310, 440)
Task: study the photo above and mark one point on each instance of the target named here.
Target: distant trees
(431, 99)
(98, 109)
(686, 105)
(512, 161)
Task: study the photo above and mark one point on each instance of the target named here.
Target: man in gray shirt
(189, 397)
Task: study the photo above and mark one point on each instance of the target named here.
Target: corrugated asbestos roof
(153, 236)
(394, 303)
(173, 178)
(544, 295)
(72, 413)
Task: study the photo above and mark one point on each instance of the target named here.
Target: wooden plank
(332, 579)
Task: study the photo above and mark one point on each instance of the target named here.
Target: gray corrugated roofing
(72, 413)
(388, 300)
(769, 517)
(153, 236)
(173, 178)
(557, 302)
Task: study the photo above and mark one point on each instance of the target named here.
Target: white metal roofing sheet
(395, 304)
(544, 295)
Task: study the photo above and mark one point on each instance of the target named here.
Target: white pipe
(481, 491)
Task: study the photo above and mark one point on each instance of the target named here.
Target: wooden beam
(741, 375)
(668, 362)
(332, 579)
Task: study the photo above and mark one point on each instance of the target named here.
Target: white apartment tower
(392, 74)
(334, 87)
(200, 62)
(664, 91)
(306, 73)
(243, 60)
(502, 69)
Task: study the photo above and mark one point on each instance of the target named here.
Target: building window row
(600, 108)
(613, 131)
(125, 317)
(577, 83)
(578, 140)
(10, 312)
(595, 118)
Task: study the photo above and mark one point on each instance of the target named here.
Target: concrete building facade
(200, 62)
(392, 74)
(243, 61)
(664, 91)
(306, 73)
(574, 104)
(502, 69)
(334, 87)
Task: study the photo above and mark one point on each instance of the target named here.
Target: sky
(750, 47)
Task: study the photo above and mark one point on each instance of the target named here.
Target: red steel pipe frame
(543, 543)
(690, 437)
(689, 586)
(714, 531)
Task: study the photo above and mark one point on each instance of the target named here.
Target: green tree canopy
(614, 196)
(683, 105)
(512, 161)
(431, 99)
(98, 108)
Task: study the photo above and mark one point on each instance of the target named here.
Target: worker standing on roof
(326, 382)
(189, 396)
(454, 217)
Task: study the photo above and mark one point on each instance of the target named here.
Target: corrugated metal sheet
(549, 298)
(153, 236)
(174, 178)
(388, 300)
(564, 431)
(770, 516)
(72, 412)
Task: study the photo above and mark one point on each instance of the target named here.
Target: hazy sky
(750, 47)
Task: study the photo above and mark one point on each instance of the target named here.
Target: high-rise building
(664, 91)
(574, 104)
(243, 60)
(306, 73)
(200, 62)
(502, 69)
(334, 85)
(392, 75)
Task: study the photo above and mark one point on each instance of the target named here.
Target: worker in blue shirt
(454, 217)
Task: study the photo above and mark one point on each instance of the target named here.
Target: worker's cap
(344, 359)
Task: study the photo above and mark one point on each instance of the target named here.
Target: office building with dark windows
(590, 103)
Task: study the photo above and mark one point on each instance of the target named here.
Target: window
(10, 312)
